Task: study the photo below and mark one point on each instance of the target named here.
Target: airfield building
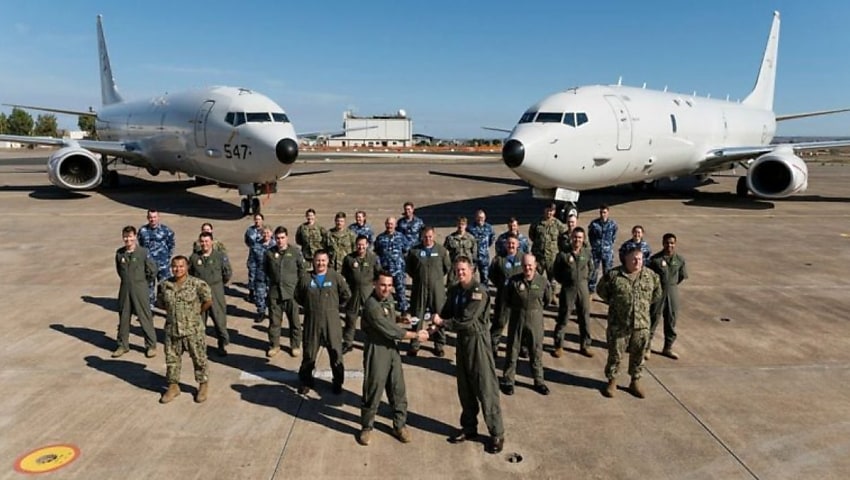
(394, 130)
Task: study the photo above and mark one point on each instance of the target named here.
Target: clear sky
(454, 66)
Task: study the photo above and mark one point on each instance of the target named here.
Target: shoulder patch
(477, 296)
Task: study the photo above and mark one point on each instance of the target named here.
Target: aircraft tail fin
(762, 94)
(108, 91)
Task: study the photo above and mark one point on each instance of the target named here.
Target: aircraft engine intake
(778, 174)
(74, 168)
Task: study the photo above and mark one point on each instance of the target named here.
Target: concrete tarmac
(762, 389)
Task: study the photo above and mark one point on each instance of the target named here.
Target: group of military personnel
(349, 270)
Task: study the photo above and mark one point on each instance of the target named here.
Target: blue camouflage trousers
(605, 258)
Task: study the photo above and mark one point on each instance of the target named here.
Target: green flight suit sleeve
(380, 324)
(150, 269)
(683, 272)
(344, 291)
(226, 269)
(475, 309)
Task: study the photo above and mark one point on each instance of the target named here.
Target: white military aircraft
(231, 136)
(599, 136)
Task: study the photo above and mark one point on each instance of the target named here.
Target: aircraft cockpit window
(581, 119)
(527, 117)
(280, 118)
(235, 118)
(549, 117)
(570, 119)
(258, 117)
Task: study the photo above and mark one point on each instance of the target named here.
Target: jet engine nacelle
(74, 168)
(778, 174)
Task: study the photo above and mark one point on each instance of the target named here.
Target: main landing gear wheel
(741, 188)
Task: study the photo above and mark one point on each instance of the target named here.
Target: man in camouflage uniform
(382, 367)
(339, 241)
(630, 291)
(572, 269)
(602, 234)
(513, 229)
(218, 246)
(185, 299)
(527, 294)
(253, 236)
(135, 270)
(544, 240)
(214, 268)
(390, 247)
(486, 237)
(671, 269)
(467, 312)
(283, 266)
(637, 239)
(158, 239)
(502, 269)
(410, 226)
(358, 269)
(309, 236)
(360, 227)
(259, 284)
(322, 292)
(460, 243)
(427, 264)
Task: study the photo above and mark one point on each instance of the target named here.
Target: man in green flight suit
(572, 270)
(502, 268)
(670, 267)
(467, 311)
(136, 270)
(427, 264)
(381, 361)
(528, 294)
(214, 268)
(322, 292)
(630, 290)
(358, 269)
(185, 299)
(283, 266)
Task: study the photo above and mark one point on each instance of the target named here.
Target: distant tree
(46, 126)
(497, 142)
(87, 124)
(4, 123)
(19, 122)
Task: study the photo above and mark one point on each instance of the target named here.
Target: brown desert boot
(170, 394)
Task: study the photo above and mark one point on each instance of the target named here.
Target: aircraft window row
(549, 117)
(527, 117)
(238, 118)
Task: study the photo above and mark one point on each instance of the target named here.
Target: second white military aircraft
(598, 136)
(228, 135)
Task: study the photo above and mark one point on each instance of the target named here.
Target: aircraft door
(624, 122)
(201, 123)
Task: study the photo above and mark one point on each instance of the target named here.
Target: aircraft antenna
(727, 97)
(665, 88)
(620, 81)
(644, 85)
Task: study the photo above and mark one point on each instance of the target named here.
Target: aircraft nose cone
(286, 151)
(513, 153)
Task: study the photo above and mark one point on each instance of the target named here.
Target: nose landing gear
(251, 204)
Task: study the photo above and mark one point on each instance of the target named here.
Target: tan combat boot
(669, 353)
(610, 389)
(170, 394)
(296, 352)
(274, 350)
(364, 437)
(636, 388)
(201, 397)
(586, 352)
(647, 354)
(558, 352)
(402, 434)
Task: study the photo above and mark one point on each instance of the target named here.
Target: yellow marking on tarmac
(47, 459)
(845, 235)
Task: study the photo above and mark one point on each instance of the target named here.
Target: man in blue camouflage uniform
(259, 283)
(483, 232)
(390, 247)
(630, 291)
(636, 240)
(602, 234)
(360, 227)
(513, 229)
(158, 239)
(410, 226)
(253, 235)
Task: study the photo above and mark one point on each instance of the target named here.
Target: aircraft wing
(89, 113)
(722, 158)
(114, 149)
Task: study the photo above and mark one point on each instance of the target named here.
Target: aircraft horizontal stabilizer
(497, 129)
(792, 116)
